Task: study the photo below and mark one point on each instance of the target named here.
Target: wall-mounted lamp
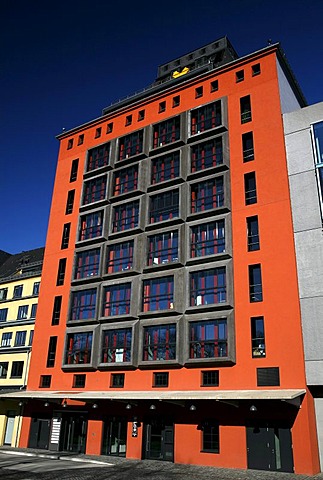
(95, 405)
(46, 404)
(253, 408)
(152, 407)
(128, 406)
(64, 404)
(20, 404)
(192, 408)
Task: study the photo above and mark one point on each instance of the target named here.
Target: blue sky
(62, 62)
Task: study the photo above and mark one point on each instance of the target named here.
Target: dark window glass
(80, 139)
(61, 272)
(245, 109)
(83, 304)
(91, 226)
(70, 202)
(240, 76)
(255, 69)
(110, 127)
(74, 170)
(208, 287)
(116, 300)
(268, 377)
(120, 257)
(250, 188)
(79, 381)
(116, 346)
(253, 233)
(318, 148)
(207, 239)
(160, 379)
(57, 310)
(17, 291)
(208, 339)
(214, 85)
(164, 206)
(17, 369)
(87, 264)
(165, 168)
(20, 339)
(4, 369)
(210, 378)
(125, 180)
(206, 117)
(6, 339)
(128, 120)
(163, 248)
(117, 380)
(22, 312)
(98, 157)
(176, 101)
(65, 236)
(3, 314)
(125, 216)
(159, 343)
(94, 190)
(258, 337)
(166, 132)
(51, 353)
(45, 381)
(162, 107)
(36, 287)
(141, 115)
(158, 294)
(3, 293)
(247, 147)
(31, 337)
(210, 437)
(130, 145)
(98, 132)
(79, 348)
(207, 195)
(70, 144)
(33, 310)
(255, 283)
(207, 154)
(198, 92)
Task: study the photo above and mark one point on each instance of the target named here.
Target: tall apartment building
(170, 320)
(304, 148)
(19, 289)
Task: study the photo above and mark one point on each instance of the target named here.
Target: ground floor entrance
(39, 433)
(73, 433)
(114, 439)
(158, 440)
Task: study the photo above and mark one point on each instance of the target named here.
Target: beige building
(19, 289)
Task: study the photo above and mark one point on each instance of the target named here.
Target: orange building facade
(168, 324)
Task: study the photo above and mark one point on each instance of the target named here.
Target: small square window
(98, 132)
(160, 379)
(198, 92)
(45, 381)
(17, 369)
(215, 86)
(240, 76)
(162, 107)
(176, 101)
(110, 127)
(117, 380)
(70, 144)
(79, 381)
(255, 69)
(128, 120)
(141, 115)
(80, 139)
(268, 377)
(210, 378)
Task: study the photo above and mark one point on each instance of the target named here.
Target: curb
(57, 457)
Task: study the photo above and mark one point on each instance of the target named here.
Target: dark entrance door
(39, 433)
(114, 436)
(159, 440)
(269, 447)
(73, 433)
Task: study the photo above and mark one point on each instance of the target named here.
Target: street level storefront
(240, 429)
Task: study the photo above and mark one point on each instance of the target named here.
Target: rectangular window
(87, 264)
(79, 348)
(65, 236)
(94, 190)
(163, 248)
(57, 310)
(31, 337)
(61, 272)
(110, 127)
(74, 170)
(245, 109)
(36, 287)
(160, 379)
(255, 69)
(125, 180)
(79, 381)
(141, 115)
(131, 145)
(258, 337)
(318, 150)
(125, 216)
(51, 353)
(6, 339)
(3, 314)
(248, 153)
(210, 378)
(70, 202)
(45, 381)
(33, 310)
(116, 300)
(176, 101)
(162, 107)
(166, 132)
(208, 339)
(206, 117)
(116, 345)
(268, 377)
(215, 86)
(250, 188)
(98, 157)
(253, 233)
(199, 92)
(22, 312)
(207, 154)
(240, 76)
(20, 338)
(17, 291)
(207, 195)
(70, 144)
(255, 283)
(128, 120)
(208, 287)
(164, 206)
(117, 380)
(3, 293)
(120, 257)
(165, 168)
(208, 239)
(159, 343)
(4, 369)
(98, 132)
(210, 437)
(91, 226)
(158, 294)
(17, 369)
(83, 304)
(80, 140)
